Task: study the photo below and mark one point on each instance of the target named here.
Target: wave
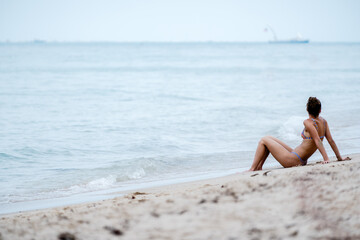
(122, 173)
(94, 185)
(291, 128)
(6, 156)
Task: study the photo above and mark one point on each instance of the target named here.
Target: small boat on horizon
(297, 39)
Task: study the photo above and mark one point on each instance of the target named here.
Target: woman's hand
(325, 161)
(344, 159)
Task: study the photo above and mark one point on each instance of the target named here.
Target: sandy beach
(311, 202)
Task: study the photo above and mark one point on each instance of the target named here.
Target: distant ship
(297, 39)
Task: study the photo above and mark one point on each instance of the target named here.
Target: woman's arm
(315, 136)
(333, 144)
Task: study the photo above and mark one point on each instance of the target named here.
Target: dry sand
(311, 202)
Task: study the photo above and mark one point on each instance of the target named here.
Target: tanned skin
(283, 153)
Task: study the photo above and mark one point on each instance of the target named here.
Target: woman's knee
(264, 139)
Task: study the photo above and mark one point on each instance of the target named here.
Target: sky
(182, 20)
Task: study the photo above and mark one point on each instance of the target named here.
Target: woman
(316, 128)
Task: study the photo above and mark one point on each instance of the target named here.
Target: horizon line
(40, 41)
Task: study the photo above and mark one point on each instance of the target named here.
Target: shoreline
(107, 194)
(312, 201)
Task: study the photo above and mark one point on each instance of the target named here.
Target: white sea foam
(139, 173)
(94, 185)
(291, 128)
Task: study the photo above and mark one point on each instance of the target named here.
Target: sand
(310, 202)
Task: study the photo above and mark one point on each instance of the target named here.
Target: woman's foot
(252, 170)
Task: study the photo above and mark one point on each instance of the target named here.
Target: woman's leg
(278, 149)
(282, 143)
(262, 161)
(261, 155)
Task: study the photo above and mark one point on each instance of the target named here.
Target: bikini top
(321, 137)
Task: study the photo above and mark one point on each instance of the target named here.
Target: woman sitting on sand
(316, 128)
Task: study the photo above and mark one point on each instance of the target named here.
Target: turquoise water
(83, 117)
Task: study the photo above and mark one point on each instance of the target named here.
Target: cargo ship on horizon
(296, 40)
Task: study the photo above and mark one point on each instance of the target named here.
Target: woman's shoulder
(311, 121)
(323, 119)
(307, 122)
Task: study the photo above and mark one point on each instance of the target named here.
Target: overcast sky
(181, 20)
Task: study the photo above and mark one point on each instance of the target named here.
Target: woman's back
(320, 124)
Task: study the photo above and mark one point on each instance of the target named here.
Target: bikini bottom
(303, 162)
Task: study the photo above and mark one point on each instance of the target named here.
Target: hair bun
(313, 106)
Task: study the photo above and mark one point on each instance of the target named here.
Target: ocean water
(94, 118)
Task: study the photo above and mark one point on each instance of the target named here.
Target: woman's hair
(313, 106)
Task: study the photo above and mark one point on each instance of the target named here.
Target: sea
(87, 121)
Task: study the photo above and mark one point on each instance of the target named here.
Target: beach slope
(311, 202)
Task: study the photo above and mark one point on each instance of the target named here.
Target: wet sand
(311, 202)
